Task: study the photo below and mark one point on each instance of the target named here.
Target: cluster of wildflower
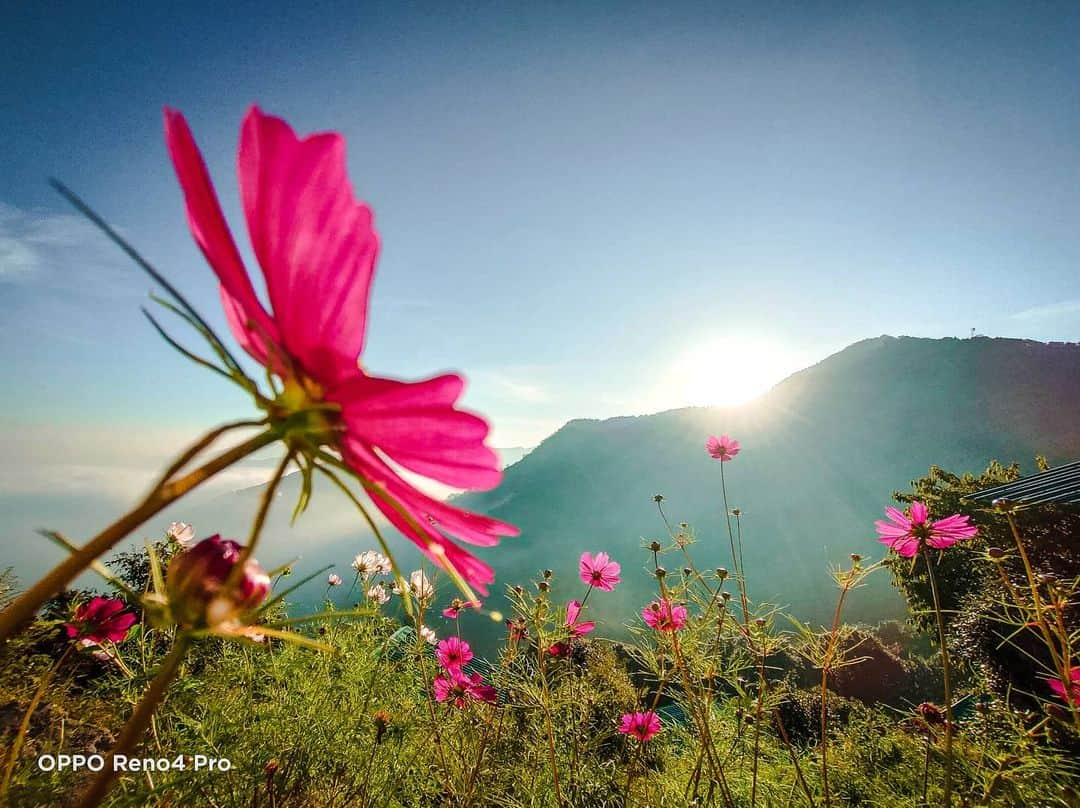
(453, 684)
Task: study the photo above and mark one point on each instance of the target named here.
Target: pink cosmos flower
(643, 726)
(100, 619)
(664, 616)
(452, 611)
(316, 247)
(1071, 693)
(906, 534)
(573, 610)
(722, 448)
(453, 653)
(599, 571)
(459, 688)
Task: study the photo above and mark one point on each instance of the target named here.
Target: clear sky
(591, 209)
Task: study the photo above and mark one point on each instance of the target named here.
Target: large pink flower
(101, 619)
(643, 726)
(599, 571)
(1070, 693)
(722, 448)
(316, 247)
(906, 534)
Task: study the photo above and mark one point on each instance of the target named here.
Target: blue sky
(591, 209)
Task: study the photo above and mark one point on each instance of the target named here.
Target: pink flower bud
(196, 581)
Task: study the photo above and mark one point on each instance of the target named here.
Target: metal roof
(1055, 485)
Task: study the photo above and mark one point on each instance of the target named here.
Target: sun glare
(728, 371)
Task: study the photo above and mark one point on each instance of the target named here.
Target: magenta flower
(453, 653)
(196, 579)
(1069, 694)
(316, 247)
(460, 688)
(452, 611)
(722, 448)
(599, 571)
(101, 619)
(664, 616)
(643, 726)
(907, 534)
(573, 610)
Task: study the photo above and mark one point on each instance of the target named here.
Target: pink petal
(417, 425)
(573, 609)
(919, 512)
(212, 235)
(314, 241)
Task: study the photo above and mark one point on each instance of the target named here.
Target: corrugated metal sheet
(1056, 485)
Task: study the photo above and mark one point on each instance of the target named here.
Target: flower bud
(543, 586)
(654, 546)
(855, 558)
(196, 580)
(548, 573)
(660, 572)
(721, 573)
(995, 553)
(1004, 505)
(658, 498)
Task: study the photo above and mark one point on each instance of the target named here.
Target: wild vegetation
(719, 700)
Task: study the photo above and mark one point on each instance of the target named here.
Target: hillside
(822, 451)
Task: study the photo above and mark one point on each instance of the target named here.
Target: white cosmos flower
(370, 563)
(333, 579)
(180, 532)
(419, 586)
(378, 594)
(428, 635)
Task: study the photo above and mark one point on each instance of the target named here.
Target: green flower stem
(163, 495)
(24, 727)
(946, 675)
(136, 726)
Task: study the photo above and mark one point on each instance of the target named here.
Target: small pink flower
(906, 534)
(722, 448)
(453, 653)
(333, 579)
(643, 726)
(1070, 694)
(664, 616)
(459, 688)
(573, 609)
(454, 609)
(599, 571)
(101, 619)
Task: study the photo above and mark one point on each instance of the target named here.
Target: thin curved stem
(947, 680)
(136, 725)
(24, 727)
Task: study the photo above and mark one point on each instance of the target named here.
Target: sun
(729, 370)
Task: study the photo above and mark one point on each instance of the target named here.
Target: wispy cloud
(1062, 308)
(46, 249)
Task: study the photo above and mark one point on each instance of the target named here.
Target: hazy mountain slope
(821, 453)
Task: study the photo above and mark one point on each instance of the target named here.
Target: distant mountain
(822, 452)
